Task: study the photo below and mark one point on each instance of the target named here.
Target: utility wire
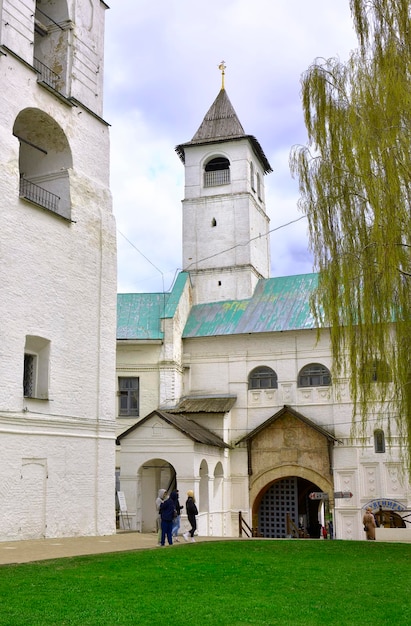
(217, 253)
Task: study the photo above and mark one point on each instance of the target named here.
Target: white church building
(57, 273)
(222, 384)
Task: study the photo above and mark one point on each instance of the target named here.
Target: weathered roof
(205, 404)
(278, 304)
(290, 411)
(222, 124)
(139, 315)
(189, 427)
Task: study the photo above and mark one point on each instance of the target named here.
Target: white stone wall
(222, 364)
(58, 283)
(226, 219)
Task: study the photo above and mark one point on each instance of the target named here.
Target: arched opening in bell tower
(217, 172)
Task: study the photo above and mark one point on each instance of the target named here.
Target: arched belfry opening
(217, 172)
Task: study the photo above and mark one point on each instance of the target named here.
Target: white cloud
(161, 77)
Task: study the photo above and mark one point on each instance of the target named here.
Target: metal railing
(46, 74)
(38, 195)
(216, 177)
(243, 527)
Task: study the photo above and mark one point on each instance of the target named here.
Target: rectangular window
(128, 391)
(29, 376)
(36, 367)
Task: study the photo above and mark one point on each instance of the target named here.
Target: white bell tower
(225, 224)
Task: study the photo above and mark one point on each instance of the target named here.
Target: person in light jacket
(192, 511)
(369, 524)
(159, 500)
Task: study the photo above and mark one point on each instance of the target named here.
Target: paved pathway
(42, 549)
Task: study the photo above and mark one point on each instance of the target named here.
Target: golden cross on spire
(222, 67)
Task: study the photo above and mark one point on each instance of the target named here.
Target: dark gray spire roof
(222, 124)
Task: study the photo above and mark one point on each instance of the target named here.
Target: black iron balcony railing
(46, 74)
(216, 177)
(38, 195)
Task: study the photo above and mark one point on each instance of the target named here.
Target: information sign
(318, 495)
(342, 494)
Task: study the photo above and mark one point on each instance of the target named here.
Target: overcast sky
(161, 77)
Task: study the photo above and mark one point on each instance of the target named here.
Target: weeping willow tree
(355, 183)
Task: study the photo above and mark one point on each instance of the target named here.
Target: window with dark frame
(377, 372)
(128, 391)
(314, 375)
(29, 376)
(379, 440)
(262, 378)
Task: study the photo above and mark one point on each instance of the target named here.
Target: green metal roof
(139, 315)
(278, 304)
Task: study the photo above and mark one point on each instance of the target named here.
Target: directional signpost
(342, 494)
(320, 495)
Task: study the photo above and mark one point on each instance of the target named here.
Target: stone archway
(283, 491)
(152, 475)
(288, 447)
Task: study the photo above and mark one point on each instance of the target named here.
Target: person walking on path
(159, 500)
(174, 495)
(369, 524)
(167, 512)
(192, 511)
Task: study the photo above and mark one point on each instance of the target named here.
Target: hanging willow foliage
(355, 184)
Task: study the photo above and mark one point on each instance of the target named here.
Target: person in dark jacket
(192, 511)
(167, 516)
(174, 495)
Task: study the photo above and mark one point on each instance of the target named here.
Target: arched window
(258, 186)
(217, 172)
(252, 177)
(44, 161)
(314, 375)
(262, 378)
(379, 440)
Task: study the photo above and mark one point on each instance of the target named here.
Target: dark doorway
(286, 510)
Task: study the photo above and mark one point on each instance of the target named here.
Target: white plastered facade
(217, 366)
(58, 273)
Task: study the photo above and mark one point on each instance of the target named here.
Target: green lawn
(288, 582)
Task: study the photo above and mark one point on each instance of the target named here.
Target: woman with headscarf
(369, 524)
(159, 500)
(192, 511)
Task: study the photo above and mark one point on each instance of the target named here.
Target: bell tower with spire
(225, 224)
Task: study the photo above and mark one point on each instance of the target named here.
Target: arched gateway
(289, 457)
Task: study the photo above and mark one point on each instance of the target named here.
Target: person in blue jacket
(167, 510)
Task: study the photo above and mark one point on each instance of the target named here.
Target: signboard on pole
(342, 494)
(318, 495)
